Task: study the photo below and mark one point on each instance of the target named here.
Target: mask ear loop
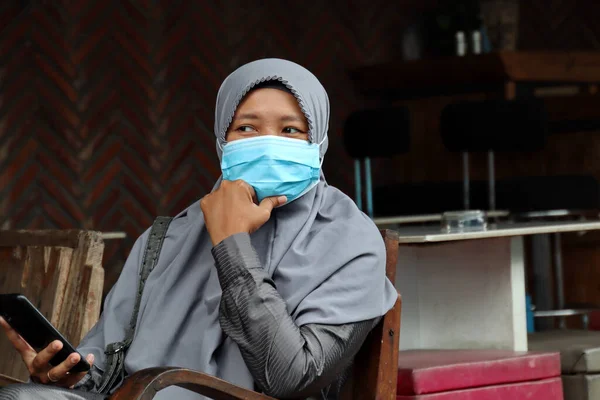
(219, 144)
(322, 158)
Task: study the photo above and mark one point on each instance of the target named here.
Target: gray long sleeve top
(286, 361)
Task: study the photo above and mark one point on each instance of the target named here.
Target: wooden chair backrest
(375, 371)
(60, 272)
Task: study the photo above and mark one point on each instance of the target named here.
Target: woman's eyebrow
(291, 118)
(247, 116)
(284, 118)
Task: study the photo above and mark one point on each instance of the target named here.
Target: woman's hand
(233, 208)
(38, 363)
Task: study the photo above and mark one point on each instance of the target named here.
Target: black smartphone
(31, 324)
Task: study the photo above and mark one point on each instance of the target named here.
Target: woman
(271, 282)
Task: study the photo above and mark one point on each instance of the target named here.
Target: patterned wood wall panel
(106, 106)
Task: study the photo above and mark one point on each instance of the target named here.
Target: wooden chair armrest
(144, 384)
(7, 380)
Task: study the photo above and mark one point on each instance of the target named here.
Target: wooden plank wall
(107, 118)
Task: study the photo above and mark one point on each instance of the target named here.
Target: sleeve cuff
(84, 382)
(234, 256)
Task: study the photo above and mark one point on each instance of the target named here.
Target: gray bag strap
(116, 352)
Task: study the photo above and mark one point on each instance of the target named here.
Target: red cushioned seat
(425, 373)
(546, 389)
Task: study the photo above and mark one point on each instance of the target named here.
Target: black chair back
(375, 133)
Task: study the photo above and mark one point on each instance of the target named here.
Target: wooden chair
(373, 378)
(60, 271)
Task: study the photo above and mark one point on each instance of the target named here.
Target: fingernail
(91, 358)
(56, 346)
(282, 199)
(73, 360)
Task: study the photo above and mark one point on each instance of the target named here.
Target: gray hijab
(325, 256)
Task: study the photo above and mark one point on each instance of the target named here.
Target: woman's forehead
(267, 101)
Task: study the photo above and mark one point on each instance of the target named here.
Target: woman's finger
(248, 189)
(60, 373)
(73, 378)
(26, 351)
(41, 362)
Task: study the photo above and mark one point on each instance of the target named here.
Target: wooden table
(467, 290)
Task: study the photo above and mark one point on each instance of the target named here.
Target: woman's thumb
(269, 203)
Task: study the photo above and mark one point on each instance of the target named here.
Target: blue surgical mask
(273, 165)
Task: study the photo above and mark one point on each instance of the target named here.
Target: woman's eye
(290, 130)
(245, 128)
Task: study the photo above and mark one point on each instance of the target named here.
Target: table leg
(558, 278)
(541, 262)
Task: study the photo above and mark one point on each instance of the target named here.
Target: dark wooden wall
(106, 106)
